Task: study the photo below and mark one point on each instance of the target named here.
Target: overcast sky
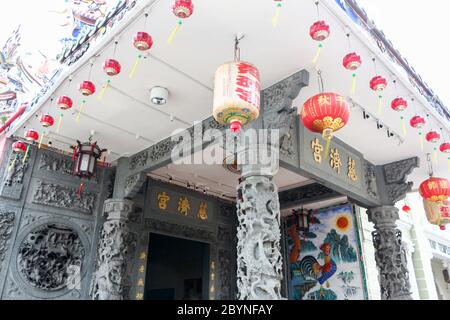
(420, 31)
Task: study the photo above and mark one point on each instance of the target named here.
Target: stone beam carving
(6, 227)
(111, 279)
(14, 175)
(390, 255)
(394, 176)
(58, 164)
(180, 230)
(371, 180)
(58, 196)
(133, 184)
(278, 112)
(306, 194)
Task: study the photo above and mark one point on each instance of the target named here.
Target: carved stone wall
(46, 230)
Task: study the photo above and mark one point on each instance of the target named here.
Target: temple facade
(308, 218)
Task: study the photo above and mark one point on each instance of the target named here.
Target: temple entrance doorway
(178, 269)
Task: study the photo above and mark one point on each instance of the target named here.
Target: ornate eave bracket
(394, 186)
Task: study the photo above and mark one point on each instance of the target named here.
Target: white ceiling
(125, 122)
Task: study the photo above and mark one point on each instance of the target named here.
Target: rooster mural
(311, 268)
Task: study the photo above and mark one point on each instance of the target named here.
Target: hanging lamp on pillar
(236, 92)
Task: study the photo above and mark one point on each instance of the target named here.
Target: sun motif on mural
(343, 222)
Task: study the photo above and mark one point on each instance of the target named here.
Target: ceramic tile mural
(324, 255)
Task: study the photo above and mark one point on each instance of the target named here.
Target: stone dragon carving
(390, 255)
(6, 227)
(395, 175)
(116, 244)
(47, 255)
(259, 268)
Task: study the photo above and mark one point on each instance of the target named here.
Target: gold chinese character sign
(202, 211)
(317, 150)
(335, 160)
(183, 206)
(352, 169)
(163, 199)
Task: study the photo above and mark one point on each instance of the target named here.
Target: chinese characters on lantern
(335, 160)
(183, 205)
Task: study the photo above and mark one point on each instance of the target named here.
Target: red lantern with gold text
(19, 147)
(182, 9)
(433, 136)
(47, 120)
(435, 189)
(31, 135)
(438, 213)
(236, 94)
(64, 103)
(87, 88)
(325, 113)
(319, 31)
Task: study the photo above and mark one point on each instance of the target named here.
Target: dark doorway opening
(177, 269)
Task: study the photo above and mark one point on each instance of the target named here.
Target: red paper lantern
(47, 120)
(319, 31)
(325, 113)
(445, 147)
(31, 135)
(433, 136)
(406, 208)
(183, 8)
(111, 67)
(399, 104)
(19, 147)
(435, 189)
(352, 61)
(87, 88)
(64, 103)
(417, 122)
(378, 83)
(142, 41)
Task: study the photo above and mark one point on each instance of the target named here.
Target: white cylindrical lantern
(438, 213)
(236, 94)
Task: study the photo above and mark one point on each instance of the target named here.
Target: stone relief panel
(225, 264)
(64, 197)
(49, 255)
(6, 228)
(139, 160)
(15, 171)
(371, 181)
(55, 163)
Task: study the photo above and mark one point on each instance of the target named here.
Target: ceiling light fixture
(159, 96)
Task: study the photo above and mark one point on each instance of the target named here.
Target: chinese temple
(221, 150)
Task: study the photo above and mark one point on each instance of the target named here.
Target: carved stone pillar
(259, 265)
(116, 242)
(390, 255)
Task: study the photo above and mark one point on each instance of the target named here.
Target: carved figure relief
(16, 172)
(6, 228)
(64, 197)
(46, 255)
